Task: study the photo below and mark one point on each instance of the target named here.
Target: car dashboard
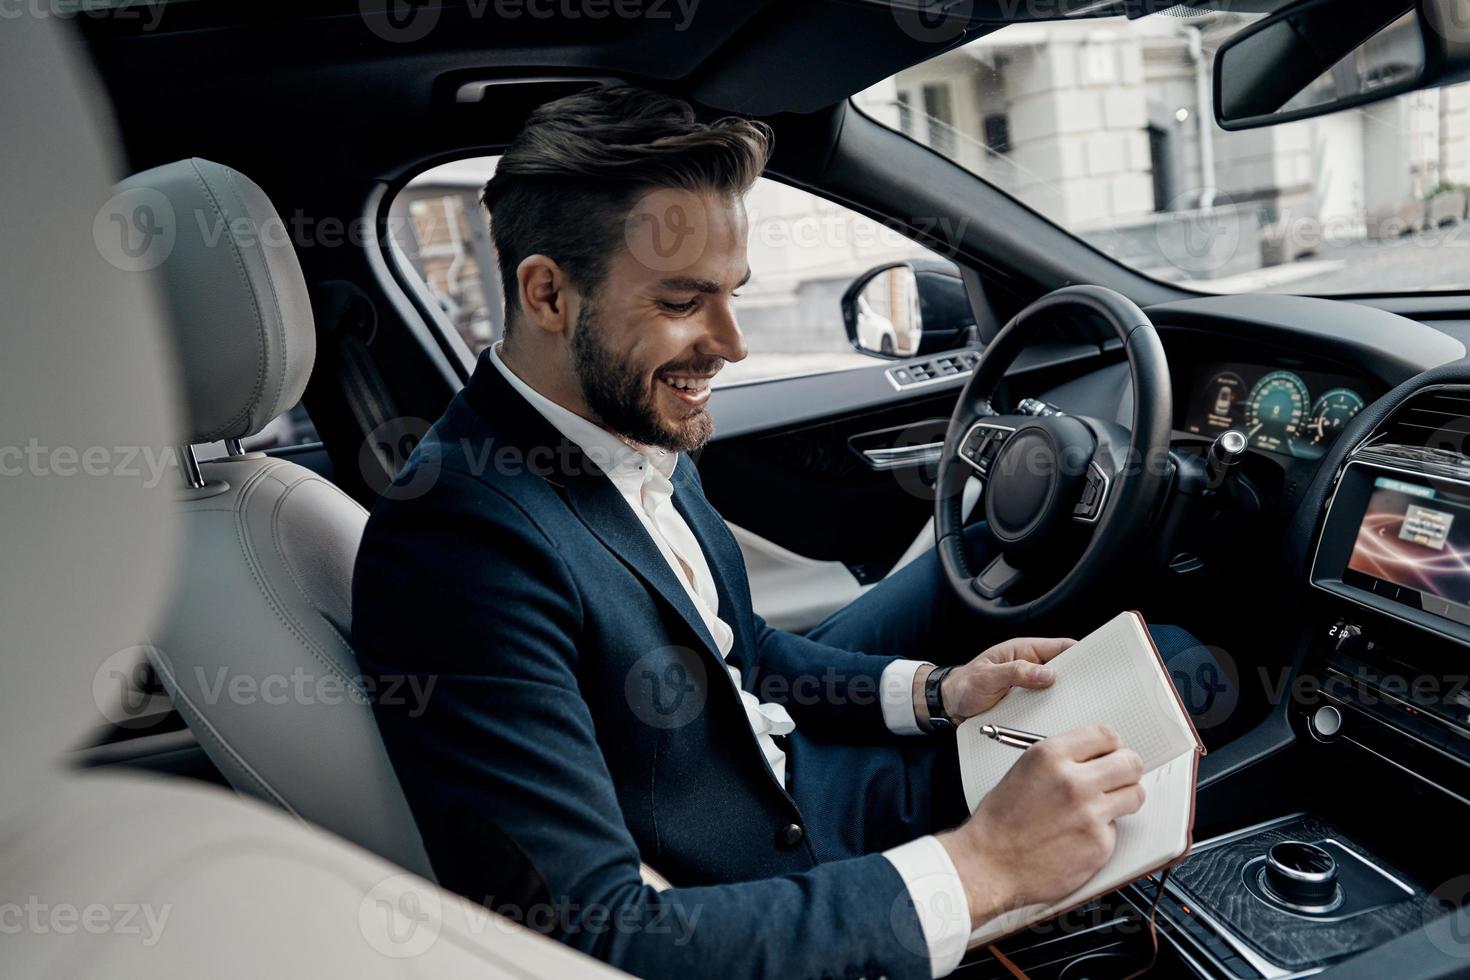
(1345, 606)
(1293, 412)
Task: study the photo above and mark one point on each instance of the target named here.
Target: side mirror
(903, 309)
(1321, 56)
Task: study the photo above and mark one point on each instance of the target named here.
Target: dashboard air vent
(1437, 420)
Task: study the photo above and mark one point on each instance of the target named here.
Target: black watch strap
(934, 699)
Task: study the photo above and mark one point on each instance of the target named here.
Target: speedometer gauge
(1275, 412)
(1332, 410)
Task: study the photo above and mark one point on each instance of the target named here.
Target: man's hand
(980, 684)
(1047, 826)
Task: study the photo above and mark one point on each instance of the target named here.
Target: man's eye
(679, 307)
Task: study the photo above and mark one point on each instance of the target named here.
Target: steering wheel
(1050, 481)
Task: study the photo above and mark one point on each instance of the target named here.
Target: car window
(805, 251)
(1105, 126)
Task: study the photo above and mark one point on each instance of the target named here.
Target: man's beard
(616, 392)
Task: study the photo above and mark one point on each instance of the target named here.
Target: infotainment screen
(1413, 546)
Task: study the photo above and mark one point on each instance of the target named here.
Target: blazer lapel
(603, 509)
(586, 489)
(725, 563)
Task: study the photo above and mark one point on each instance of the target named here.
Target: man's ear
(546, 293)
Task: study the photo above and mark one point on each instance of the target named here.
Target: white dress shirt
(641, 475)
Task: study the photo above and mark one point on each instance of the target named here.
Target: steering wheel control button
(981, 444)
(1326, 722)
(790, 835)
(1094, 492)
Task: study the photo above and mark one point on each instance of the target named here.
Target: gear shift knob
(1302, 874)
(1227, 449)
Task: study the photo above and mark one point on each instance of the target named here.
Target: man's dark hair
(565, 186)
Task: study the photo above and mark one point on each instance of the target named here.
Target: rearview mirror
(1321, 56)
(903, 309)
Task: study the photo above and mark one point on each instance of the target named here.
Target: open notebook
(1113, 675)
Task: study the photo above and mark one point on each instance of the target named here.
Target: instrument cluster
(1294, 413)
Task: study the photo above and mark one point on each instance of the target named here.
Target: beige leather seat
(133, 876)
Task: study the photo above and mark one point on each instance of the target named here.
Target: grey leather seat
(254, 646)
(254, 649)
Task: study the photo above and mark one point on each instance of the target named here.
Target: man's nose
(723, 337)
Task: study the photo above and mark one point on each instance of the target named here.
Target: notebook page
(1112, 676)
(1155, 835)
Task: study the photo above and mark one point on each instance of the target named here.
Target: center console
(1351, 830)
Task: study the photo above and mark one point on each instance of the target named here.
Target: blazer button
(790, 835)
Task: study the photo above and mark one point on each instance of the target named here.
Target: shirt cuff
(939, 899)
(896, 688)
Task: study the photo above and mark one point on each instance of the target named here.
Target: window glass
(804, 253)
(1106, 127)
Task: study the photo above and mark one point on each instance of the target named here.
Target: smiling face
(660, 326)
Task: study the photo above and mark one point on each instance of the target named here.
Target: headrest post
(190, 465)
(234, 447)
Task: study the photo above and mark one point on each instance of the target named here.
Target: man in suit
(602, 693)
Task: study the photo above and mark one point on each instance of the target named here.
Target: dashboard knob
(1227, 449)
(1326, 722)
(1301, 874)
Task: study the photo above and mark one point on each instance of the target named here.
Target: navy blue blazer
(580, 718)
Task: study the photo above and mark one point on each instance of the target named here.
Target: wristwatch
(934, 699)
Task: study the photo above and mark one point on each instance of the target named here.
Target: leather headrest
(241, 313)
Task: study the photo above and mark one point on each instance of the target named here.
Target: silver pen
(1013, 737)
